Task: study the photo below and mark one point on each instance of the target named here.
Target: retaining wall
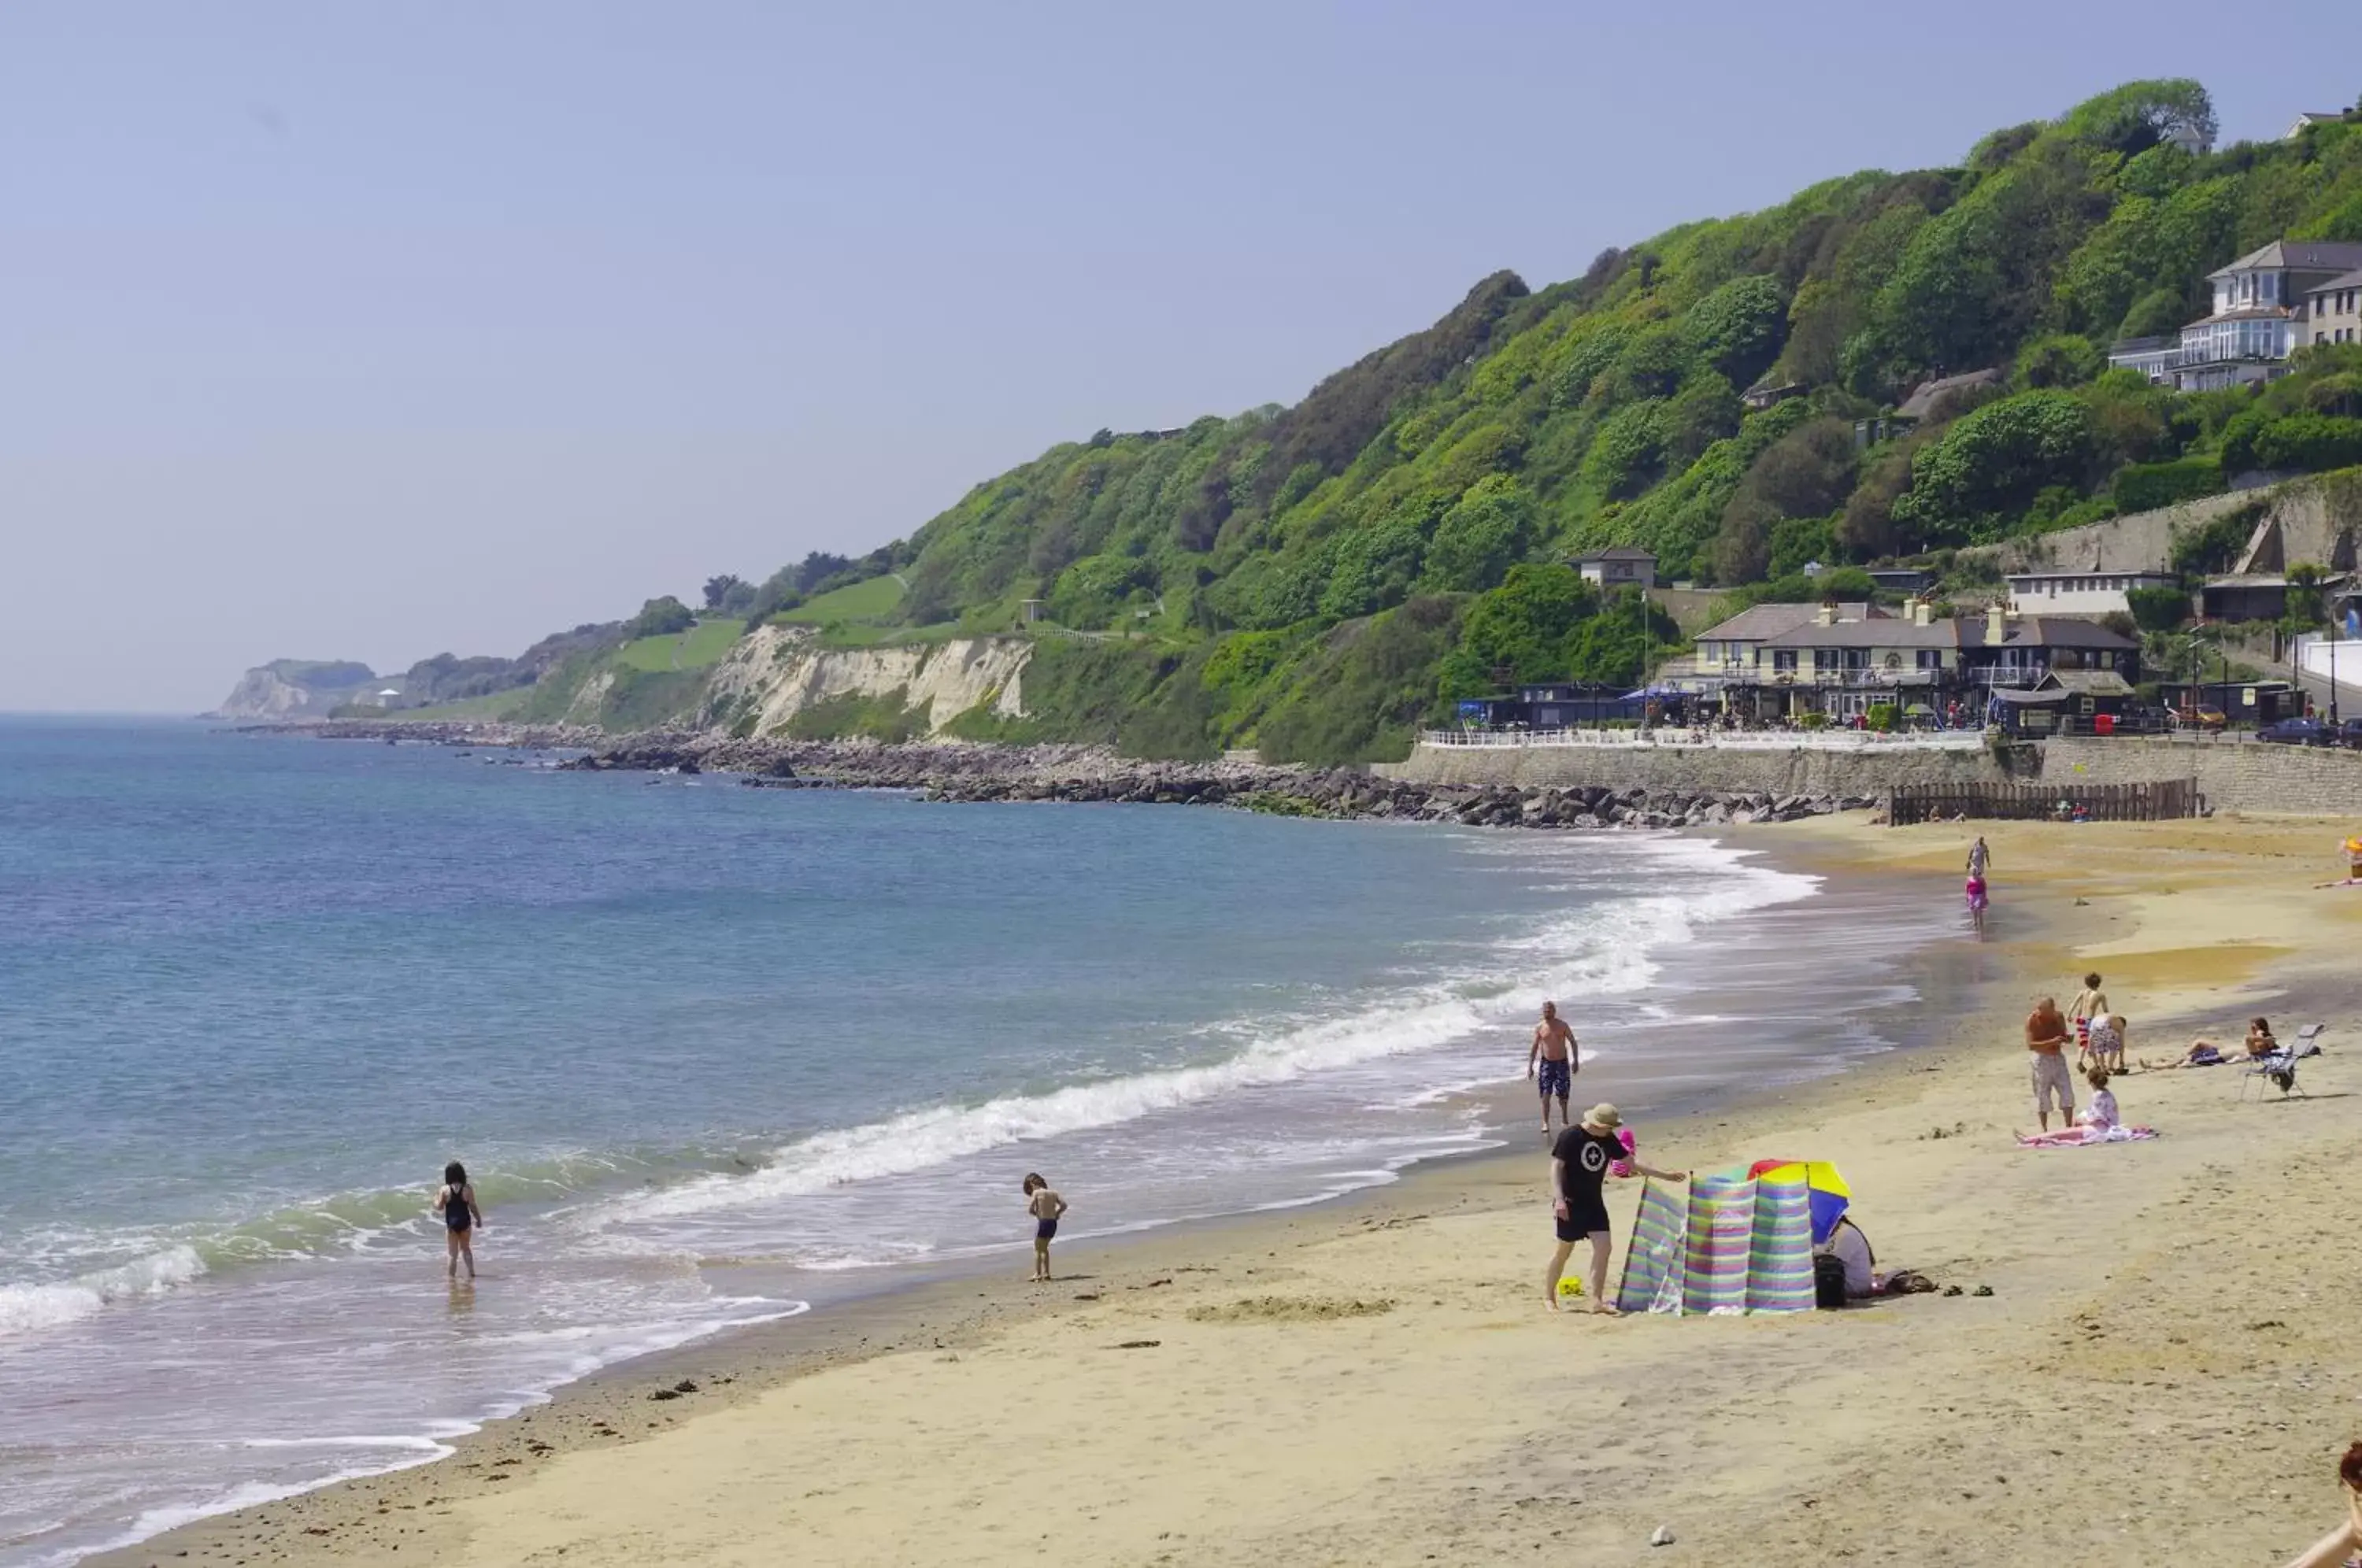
(2233, 775)
(1800, 771)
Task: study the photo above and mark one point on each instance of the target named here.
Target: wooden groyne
(1908, 803)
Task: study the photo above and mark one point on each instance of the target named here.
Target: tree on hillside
(1989, 465)
(718, 588)
(1806, 473)
(1481, 536)
(2139, 114)
(1519, 630)
(659, 618)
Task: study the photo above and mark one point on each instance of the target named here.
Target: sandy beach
(2159, 1373)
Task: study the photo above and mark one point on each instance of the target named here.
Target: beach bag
(1828, 1281)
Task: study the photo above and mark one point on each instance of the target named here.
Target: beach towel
(2091, 1136)
(1728, 1244)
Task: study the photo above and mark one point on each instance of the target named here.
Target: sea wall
(1797, 771)
(2233, 775)
(775, 672)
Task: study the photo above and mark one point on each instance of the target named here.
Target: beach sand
(2161, 1373)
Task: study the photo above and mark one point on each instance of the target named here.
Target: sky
(375, 332)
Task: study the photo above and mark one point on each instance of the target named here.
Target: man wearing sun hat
(1579, 1162)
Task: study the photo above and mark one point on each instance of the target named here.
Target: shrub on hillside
(2145, 487)
(1990, 466)
(660, 618)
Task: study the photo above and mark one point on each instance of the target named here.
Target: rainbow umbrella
(1828, 1191)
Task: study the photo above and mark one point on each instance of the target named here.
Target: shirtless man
(2045, 1044)
(1551, 1062)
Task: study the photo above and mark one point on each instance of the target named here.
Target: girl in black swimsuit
(456, 1202)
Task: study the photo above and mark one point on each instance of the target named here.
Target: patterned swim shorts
(1557, 1078)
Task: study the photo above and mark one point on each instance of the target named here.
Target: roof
(1924, 397)
(1762, 620)
(2089, 682)
(2245, 313)
(2311, 255)
(1618, 553)
(1893, 632)
(2344, 280)
(2048, 632)
(2090, 571)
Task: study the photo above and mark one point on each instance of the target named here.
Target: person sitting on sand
(1046, 1207)
(2099, 1122)
(2339, 1545)
(1550, 1061)
(1579, 1162)
(2046, 1044)
(455, 1201)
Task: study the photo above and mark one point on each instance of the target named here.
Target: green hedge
(2145, 487)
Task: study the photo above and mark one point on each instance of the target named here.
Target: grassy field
(498, 705)
(701, 645)
(861, 602)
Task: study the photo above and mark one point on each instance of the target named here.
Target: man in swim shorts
(2045, 1045)
(1550, 1062)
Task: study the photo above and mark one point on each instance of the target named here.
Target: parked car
(2198, 716)
(2296, 732)
(2349, 733)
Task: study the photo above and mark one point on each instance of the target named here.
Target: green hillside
(1315, 578)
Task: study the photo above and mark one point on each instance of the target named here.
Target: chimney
(1996, 623)
(1827, 614)
(1922, 612)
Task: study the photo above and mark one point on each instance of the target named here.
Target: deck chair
(2308, 1039)
(2278, 1069)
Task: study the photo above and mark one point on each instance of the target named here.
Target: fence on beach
(1908, 803)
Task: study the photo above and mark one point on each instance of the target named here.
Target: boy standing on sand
(2045, 1043)
(1046, 1207)
(1550, 1060)
(2089, 1005)
(1579, 1162)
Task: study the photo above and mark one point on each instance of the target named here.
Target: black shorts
(1581, 1221)
(1044, 1229)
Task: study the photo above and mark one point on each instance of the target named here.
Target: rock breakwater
(970, 773)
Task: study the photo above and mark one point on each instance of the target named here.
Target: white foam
(24, 1309)
(1605, 950)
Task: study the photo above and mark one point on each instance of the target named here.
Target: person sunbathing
(2258, 1044)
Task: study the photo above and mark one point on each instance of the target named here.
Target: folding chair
(2308, 1039)
(2277, 1069)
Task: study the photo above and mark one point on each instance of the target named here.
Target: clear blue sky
(371, 331)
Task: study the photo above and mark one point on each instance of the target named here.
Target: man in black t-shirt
(1579, 1162)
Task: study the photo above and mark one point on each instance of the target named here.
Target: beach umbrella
(1828, 1190)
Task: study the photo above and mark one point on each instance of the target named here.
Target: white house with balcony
(2260, 304)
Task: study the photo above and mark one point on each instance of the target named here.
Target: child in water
(455, 1200)
(1046, 1207)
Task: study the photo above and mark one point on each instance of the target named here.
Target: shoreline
(744, 1373)
(923, 1305)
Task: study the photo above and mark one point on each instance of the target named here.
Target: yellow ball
(1569, 1287)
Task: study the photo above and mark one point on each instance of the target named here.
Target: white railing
(1718, 740)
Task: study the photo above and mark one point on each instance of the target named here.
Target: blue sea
(713, 1055)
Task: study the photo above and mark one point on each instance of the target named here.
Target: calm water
(254, 991)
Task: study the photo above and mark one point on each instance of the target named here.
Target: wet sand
(2160, 1373)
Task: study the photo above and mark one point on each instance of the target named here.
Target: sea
(718, 1057)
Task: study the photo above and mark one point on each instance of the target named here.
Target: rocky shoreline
(964, 772)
